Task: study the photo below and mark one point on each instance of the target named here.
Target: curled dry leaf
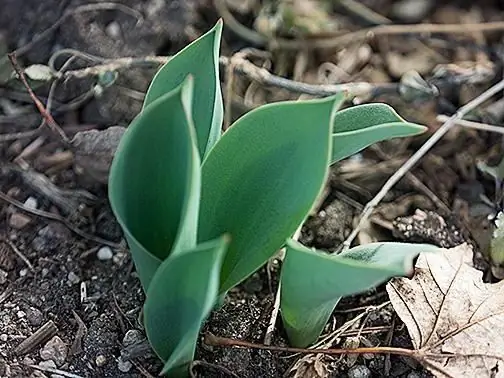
(95, 149)
(309, 366)
(455, 320)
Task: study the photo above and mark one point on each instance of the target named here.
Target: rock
(3, 276)
(21, 314)
(4, 338)
(54, 350)
(47, 364)
(105, 253)
(131, 337)
(50, 237)
(34, 317)
(100, 360)
(113, 30)
(31, 203)
(124, 366)
(73, 279)
(359, 371)
(411, 10)
(19, 220)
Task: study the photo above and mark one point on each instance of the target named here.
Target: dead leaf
(309, 366)
(455, 320)
(95, 149)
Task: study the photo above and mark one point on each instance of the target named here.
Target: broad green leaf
(201, 60)
(154, 181)
(360, 126)
(181, 295)
(260, 181)
(313, 282)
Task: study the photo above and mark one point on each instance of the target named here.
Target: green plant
(201, 212)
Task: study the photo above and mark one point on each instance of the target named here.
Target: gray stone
(54, 350)
(100, 360)
(3, 276)
(34, 316)
(131, 337)
(31, 203)
(359, 371)
(124, 366)
(19, 221)
(105, 253)
(411, 10)
(73, 278)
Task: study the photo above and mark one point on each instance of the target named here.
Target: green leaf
(313, 282)
(201, 60)
(181, 295)
(154, 181)
(360, 126)
(260, 181)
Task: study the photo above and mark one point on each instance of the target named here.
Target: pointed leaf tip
(279, 159)
(200, 59)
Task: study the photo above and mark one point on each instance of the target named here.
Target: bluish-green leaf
(201, 60)
(181, 295)
(313, 282)
(154, 181)
(260, 181)
(360, 126)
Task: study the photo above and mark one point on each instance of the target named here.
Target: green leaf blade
(154, 182)
(360, 126)
(261, 179)
(176, 306)
(307, 300)
(201, 60)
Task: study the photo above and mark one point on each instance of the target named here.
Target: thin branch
(276, 306)
(411, 162)
(45, 114)
(242, 66)
(58, 218)
(217, 341)
(473, 125)
(19, 254)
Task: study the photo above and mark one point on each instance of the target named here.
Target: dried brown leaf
(455, 320)
(309, 366)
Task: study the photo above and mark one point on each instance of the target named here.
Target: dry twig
(410, 163)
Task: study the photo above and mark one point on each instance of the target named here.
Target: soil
(85, 290)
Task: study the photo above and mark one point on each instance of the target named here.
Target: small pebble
(54, 350)
(28, 361)
(3, 276)
(359, 371)
(21, 314)
(131, 337)
(412, 10)
(23, 272)
(100, 360)
(34, 317)
(47, 364)
(414, 374)
(19, 221)
(31, 203)
(3, 337)
(105, 253)
(124, 366)
(113, 30)
(73, 278)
